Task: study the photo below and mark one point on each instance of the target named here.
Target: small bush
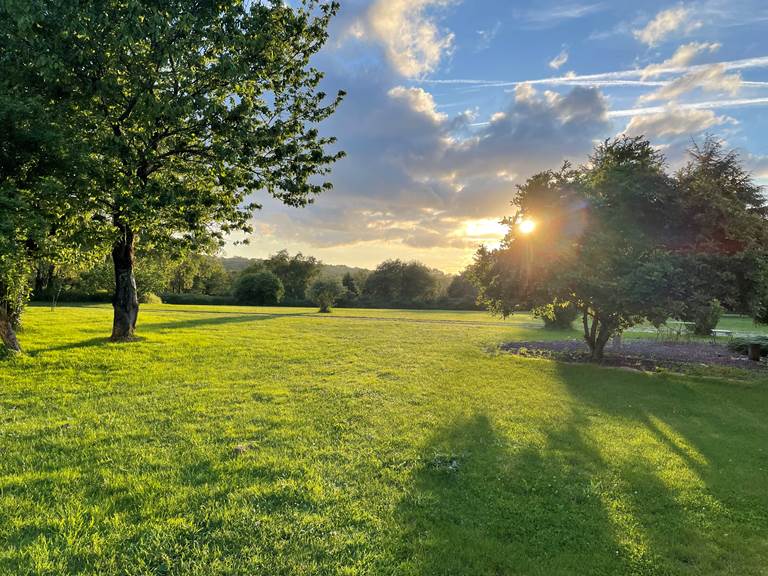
(557, 316)
(706, 317)
(325, 293)
(741, 345)
(150, 298)
(258, 289)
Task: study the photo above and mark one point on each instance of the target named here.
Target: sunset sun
(526, 226)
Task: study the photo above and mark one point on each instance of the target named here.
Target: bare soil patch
(639, 354)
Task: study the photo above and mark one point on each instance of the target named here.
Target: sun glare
(526, 226)
(486, 228)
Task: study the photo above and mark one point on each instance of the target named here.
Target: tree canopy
(406, 283)
(295, 272)
(258, 289)
(189, 109)
(45, 201)
(623, 241)
(325, 292)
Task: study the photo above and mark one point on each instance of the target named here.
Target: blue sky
(451, 103)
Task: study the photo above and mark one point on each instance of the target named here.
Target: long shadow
(150, 327)
(688, 492)
(212, 321)
(481, 506)
(90, 343)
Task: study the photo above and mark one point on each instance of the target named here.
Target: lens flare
(526, 226)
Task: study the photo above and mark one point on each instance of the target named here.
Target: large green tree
(46, 209)
(190, 107)
(623, 241)
(295, 272)
(395, 282)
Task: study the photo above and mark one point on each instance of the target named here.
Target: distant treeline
(282, 279)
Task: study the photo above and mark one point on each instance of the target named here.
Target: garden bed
(639, 354)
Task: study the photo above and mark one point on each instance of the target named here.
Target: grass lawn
(365, 442)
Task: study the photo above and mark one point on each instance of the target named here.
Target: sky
(452, 103)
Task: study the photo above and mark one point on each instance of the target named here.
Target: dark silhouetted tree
(622, 241)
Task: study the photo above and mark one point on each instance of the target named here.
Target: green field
(279, 441)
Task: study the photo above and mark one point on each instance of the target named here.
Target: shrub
(557, 316)
(741, 345)
(258, 289)
(706, 317)
(325, 292)
(150, 298)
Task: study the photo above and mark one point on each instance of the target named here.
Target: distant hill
(339, 270)
(239, 263)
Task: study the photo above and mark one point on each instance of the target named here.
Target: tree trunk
(125, 301)
(10, 318)
(602, 339)
(597, 333)
(7, 332)
(589, 331)
(43, 279)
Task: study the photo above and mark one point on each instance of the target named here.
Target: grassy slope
(375, 447)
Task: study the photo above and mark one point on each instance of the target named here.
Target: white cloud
(707, 79)
(682, 57)
(667, 22)
(412, 181)
(710, 104)
(673, 121)
(524, 93)
(549, 17)
(412, 39)
(618, 77)
(559, 60)
(420, 101)
(487, 36)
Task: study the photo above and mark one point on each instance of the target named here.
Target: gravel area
(639, 354)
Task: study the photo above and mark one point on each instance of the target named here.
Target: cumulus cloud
(683, 56)
(666, 23)
(415, 177)
(537, 131)
(412, 39)
(559, 60)
(673, 121)
(418, 100)
(708, 79)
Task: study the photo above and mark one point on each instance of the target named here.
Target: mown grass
(228, 442)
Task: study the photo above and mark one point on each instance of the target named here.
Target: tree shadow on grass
(480, 506)
(97, 342)
(149, 327)
(211, 321)
(683, 463)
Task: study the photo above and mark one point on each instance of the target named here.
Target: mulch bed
(639, 354)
